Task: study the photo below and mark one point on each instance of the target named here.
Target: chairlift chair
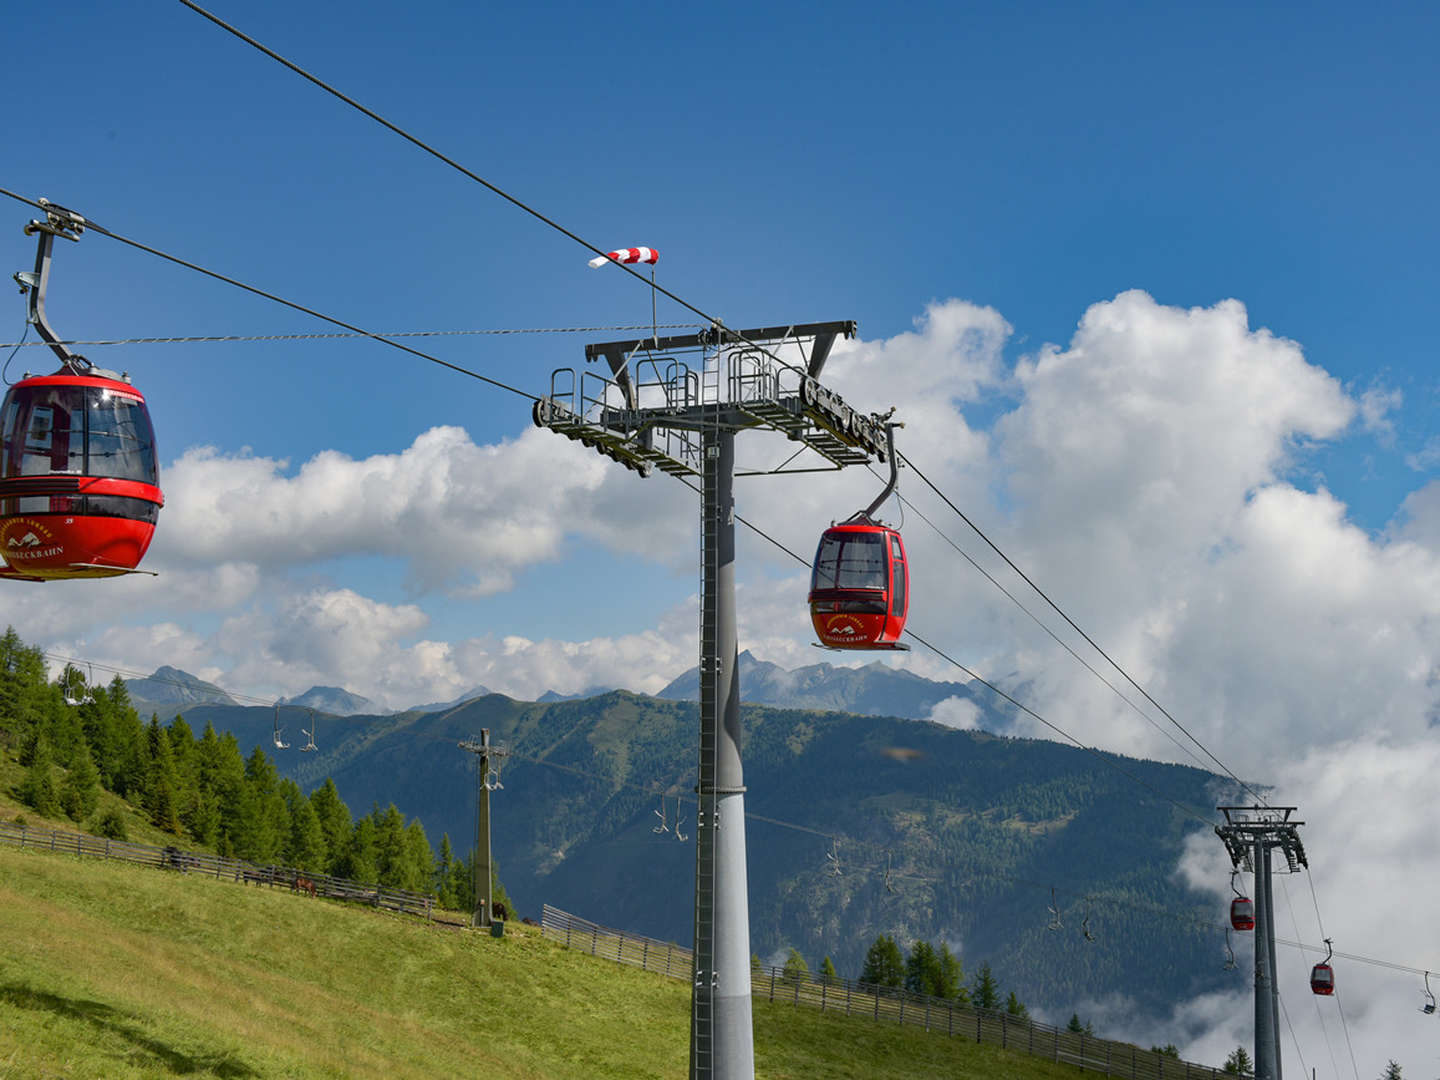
(1429, 1007)
(280, 743)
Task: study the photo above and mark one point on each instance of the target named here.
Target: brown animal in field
(529, 921)
(497, 911)
(305, 885)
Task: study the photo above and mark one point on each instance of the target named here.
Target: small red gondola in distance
(79, 477)
(1322, 975)
(860, 579)
(1242, 913)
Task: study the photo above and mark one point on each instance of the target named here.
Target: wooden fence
(216, 866)
(887, 1003)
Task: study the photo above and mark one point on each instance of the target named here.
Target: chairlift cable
(287, 303)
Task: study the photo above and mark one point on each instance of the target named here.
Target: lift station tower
(676, 404)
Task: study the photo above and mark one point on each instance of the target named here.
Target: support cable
(210, 338)
(1324, 1028)
(1339, 1007)
(287, 303)
(421, 144)
(1074, 626)
(1099, 755)
(1055, 637)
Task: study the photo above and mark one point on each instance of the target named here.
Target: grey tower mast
(1250, 835)
(487, 779)
(675, 404)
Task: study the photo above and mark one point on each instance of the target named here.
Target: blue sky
(1152, 287)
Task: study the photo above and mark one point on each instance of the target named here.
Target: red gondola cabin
(79, 480)
(1322, 979)
(859, 587)
(1242, 913)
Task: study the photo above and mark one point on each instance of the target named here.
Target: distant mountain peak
(331, 699)
(171, 686)
(876, 689)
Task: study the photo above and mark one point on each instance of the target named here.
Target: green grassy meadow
(114, 971)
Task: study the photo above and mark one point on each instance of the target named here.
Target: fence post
(977, 1025)
(1057, 1044)
(950, 1020)
(902, 1008)
(927, 1014)
(796, 999)
(1107, 1057)
(877, 1001)
(824, 983)
(1082, 1051)
(772, 984)
(1004, 1032)
(847, 997)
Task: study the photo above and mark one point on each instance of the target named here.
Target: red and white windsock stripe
(627, 255)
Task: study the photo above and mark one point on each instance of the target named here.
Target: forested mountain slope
(975, 830)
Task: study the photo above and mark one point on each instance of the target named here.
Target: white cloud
(959, 713)
(1376, 404)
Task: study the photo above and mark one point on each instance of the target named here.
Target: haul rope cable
(41, 205)
(1091, 641)
(909, 504)
(710, 320)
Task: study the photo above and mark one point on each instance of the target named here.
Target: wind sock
(627, 255)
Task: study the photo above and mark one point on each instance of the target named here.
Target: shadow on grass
(108, 1019)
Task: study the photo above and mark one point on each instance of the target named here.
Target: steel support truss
(1251, 834)
(676, 404)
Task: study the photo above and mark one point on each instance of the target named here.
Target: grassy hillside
(116, 971)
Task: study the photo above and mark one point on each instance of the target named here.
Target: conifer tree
(986, 992)
(305, 846)
(828, 974)
(360, 861)
(419, 858)
(389, 845)
(444, 891)
(334, 817)
(1239, 1063)
(159, 787)
(1015, 1007)
(795, 969)
(922, 969)
(80, 790)
(37, 790)
(951, 976)
(884, 963)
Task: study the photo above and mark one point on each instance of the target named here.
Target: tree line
(203, 789)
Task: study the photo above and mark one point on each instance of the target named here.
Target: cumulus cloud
(959, 713)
